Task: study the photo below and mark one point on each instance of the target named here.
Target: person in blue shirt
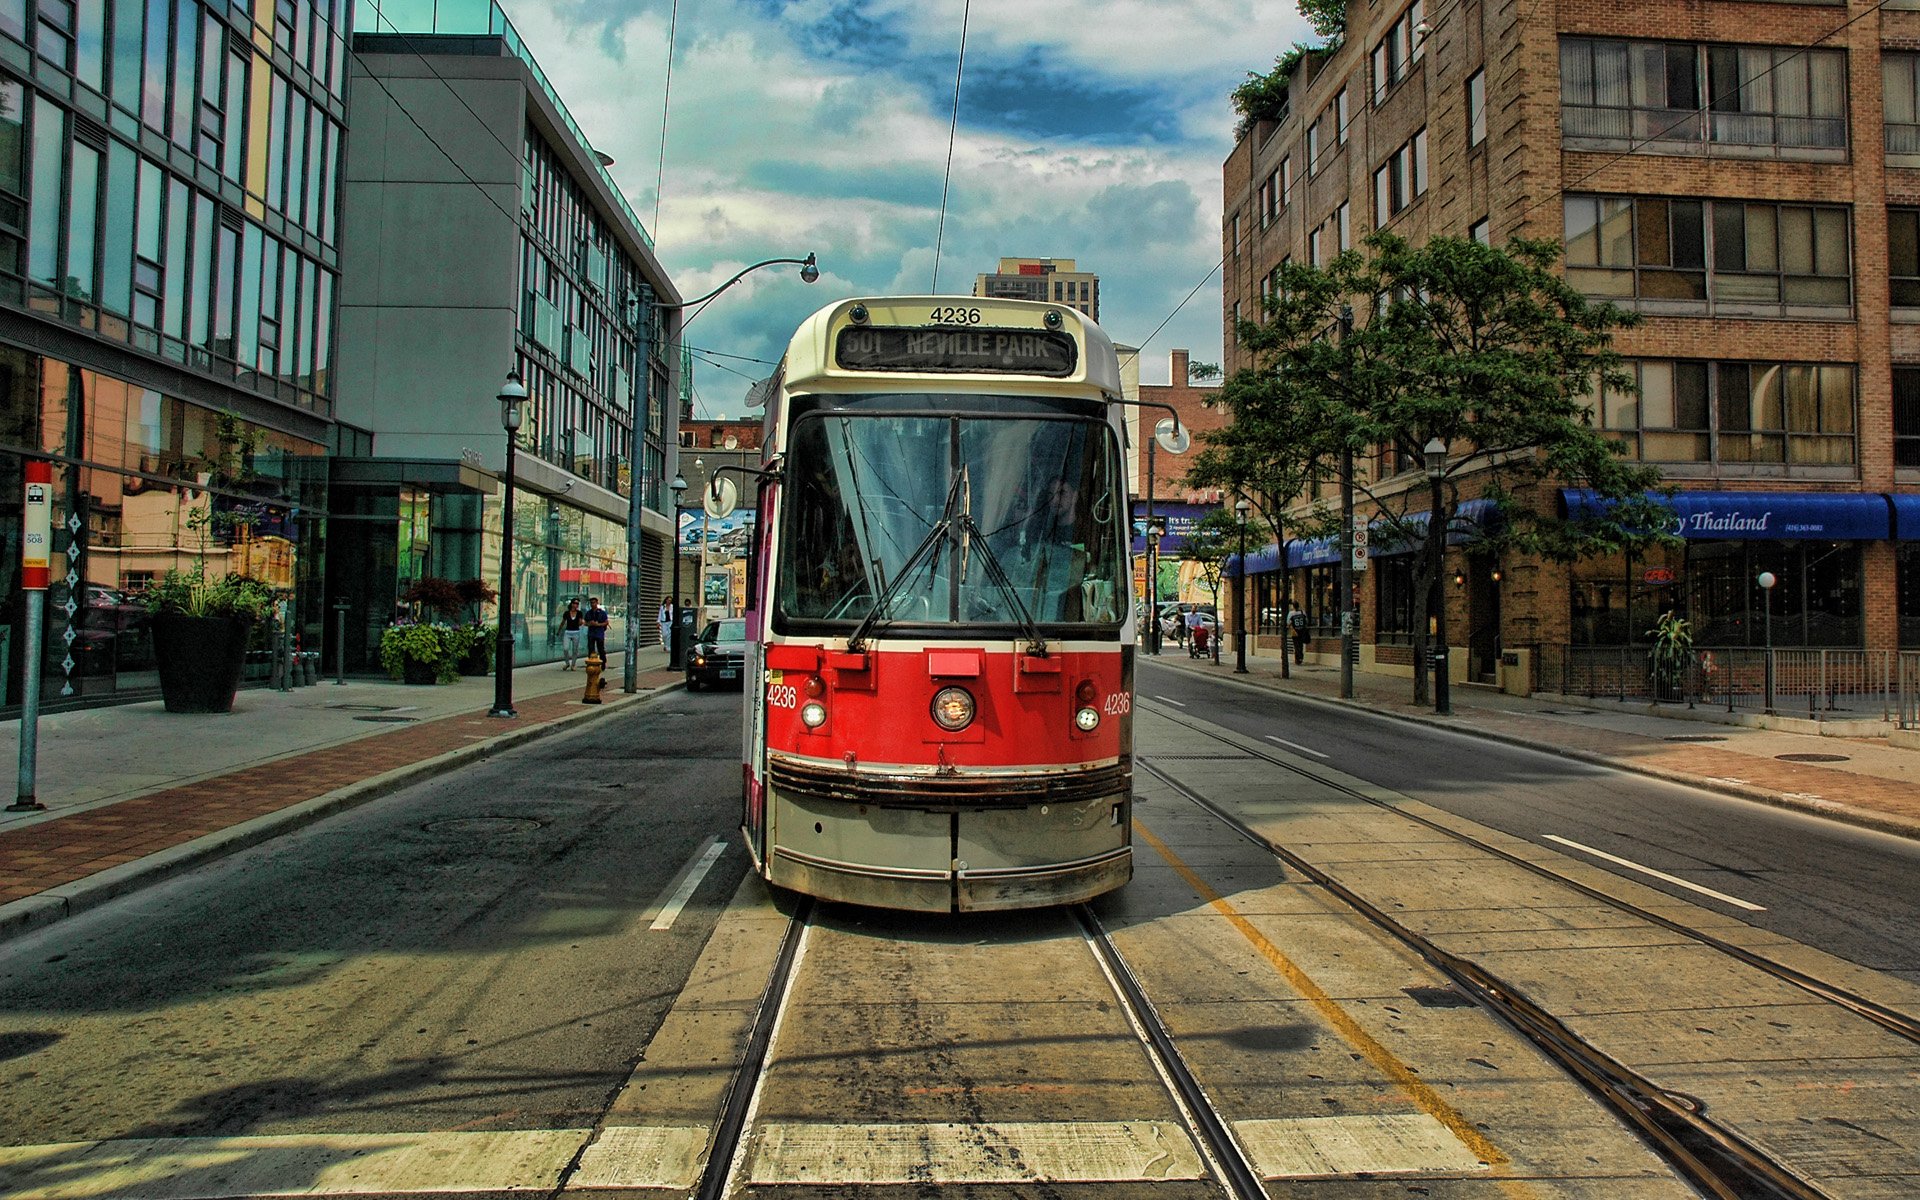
(597, 621)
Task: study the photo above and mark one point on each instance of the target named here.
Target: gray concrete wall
(430, 263)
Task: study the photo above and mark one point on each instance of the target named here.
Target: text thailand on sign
(957, 351)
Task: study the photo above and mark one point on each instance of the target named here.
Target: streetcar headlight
(1087, 719)
(813, 714)
(953, 709)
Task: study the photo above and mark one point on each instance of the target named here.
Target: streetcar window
(982, 520)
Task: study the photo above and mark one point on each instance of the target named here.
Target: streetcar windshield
(943, 519)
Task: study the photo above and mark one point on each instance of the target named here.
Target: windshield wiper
(1036, 643)
(936, 536)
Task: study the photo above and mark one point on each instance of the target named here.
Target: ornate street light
(513, 395)
(640, 310)
(1766, 582)
(1240, 508)
(1153, 586)
(1435, 453)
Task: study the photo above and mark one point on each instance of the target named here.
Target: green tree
(1484, 351)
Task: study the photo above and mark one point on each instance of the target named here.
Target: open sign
(1657, 575)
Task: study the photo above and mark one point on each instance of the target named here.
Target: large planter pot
(412, 670)
(201, 660)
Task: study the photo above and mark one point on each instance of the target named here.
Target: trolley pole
(36, 561)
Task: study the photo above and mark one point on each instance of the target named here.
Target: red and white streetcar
(941, 617)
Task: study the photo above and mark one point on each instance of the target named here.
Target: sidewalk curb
(31, 913)
(1791, 801)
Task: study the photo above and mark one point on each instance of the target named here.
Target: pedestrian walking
(597, 621)
(573, 633)
(1297, 626)
(664, 618)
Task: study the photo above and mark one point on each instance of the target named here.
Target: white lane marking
(1169, 700)
(1295, 746)
(690, 877)
(1677, 882)
(1386, 1143)
(988, 1153)
(313, 1164)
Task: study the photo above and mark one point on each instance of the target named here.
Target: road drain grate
(387, 719)
(1695, 737)
(1811, 757)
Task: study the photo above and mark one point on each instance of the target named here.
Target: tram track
(1714, 1158)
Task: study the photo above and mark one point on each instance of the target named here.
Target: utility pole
(1345, 573)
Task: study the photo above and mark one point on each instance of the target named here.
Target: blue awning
(1906, 516)
(1765, 516)
(1320, 551)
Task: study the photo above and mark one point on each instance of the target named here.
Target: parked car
(718, 655)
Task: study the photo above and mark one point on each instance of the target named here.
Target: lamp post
(1435, 452)
(640, 309)
(1766, 582)
(1240, 508)
(1153, 586)
(513, 394)
(675, 658)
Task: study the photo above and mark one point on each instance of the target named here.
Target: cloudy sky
(1088, 129)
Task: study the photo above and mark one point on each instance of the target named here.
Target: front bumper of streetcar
(976, 842)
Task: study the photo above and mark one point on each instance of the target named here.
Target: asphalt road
(1846, 890)
(486, 951)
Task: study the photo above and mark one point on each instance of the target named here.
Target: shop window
(1393, 602)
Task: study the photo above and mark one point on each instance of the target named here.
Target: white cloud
(774, 150)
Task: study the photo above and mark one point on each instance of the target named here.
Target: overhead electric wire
(666, 104)
(953, 129)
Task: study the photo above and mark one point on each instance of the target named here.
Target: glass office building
(168, 221)
(484, 234)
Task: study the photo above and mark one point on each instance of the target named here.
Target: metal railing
(1821, 685)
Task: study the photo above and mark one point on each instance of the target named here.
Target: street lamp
(1168, 434)
(1153, 585)
(1240, 508)
(1766, 582)
(513, 394)
(675, 658)
(640, 309)
(1435, 453)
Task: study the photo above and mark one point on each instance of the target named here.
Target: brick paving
(49, 853)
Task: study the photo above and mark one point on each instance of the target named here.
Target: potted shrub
(1671, 655)
(478, 657)
(472, 648)
(416, 653)
(201, 626)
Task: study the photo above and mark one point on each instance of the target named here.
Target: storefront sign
(1657, 575)
(36, 539)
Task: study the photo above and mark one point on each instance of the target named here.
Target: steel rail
(1223, 1152)
(728, 1142)
(1713, 1158)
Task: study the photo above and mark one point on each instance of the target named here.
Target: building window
(1679, 97)
(1396, 53)
(1728, 257)
(1903, 257)
(1313, 148)
(1340, 117)
(1233, 235)
(1476, 108)
(1400, 180)
(1482, 232)
(1900, 90)
(1342, 219)
(1266, 204)
(1393, 606)
(1798, 414)
(1906, 416)
(1286, 180)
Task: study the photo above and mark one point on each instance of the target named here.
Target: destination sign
(951, 351)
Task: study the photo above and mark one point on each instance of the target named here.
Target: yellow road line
(1417, 1089)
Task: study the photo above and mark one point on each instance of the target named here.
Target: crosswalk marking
(670, 1158)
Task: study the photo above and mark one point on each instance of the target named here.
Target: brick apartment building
(1749, 182)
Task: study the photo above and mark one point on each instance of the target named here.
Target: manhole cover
(482, 825)
(1695, 737)
(386, 718)
(1811, 757)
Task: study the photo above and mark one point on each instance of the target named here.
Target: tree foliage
(1263, 95)
(1486, 351)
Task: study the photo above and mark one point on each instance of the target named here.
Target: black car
(718, 656)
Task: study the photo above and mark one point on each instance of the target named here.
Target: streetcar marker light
(814, 686)
(813, 715)
(1087, 719)
(953, 709)
(1085, 691)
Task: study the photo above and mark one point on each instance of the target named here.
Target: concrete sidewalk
(1861, 780)
(134, 793)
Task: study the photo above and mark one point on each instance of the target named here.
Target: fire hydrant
(595, 665)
